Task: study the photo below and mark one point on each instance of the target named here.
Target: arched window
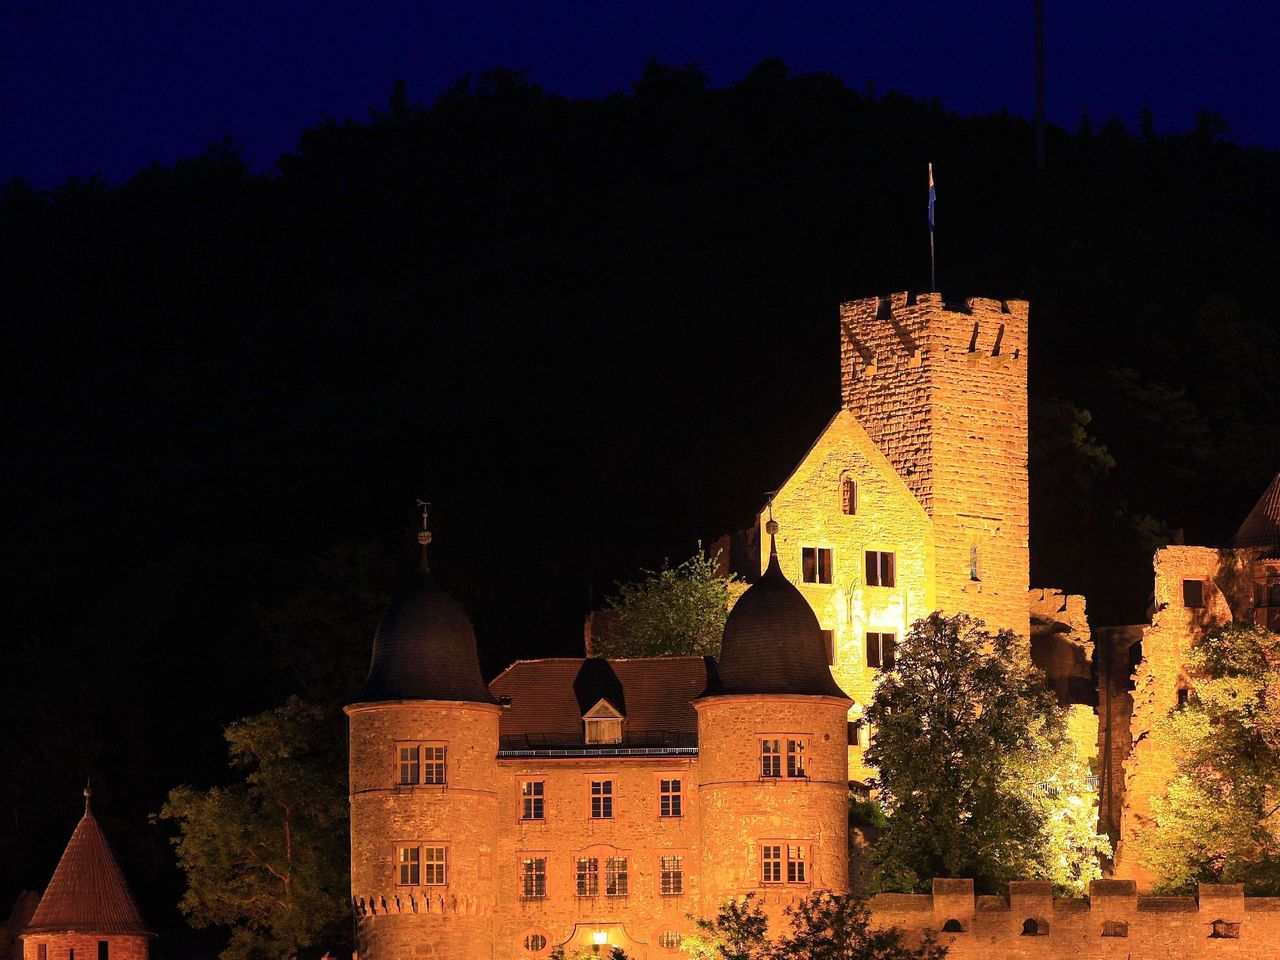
(953, 926)
(1224, 930)
(535, 942)
(1115, 928)
(1031, 927)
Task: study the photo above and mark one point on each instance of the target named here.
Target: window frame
(530, 802)
(880, 572)
(881, 661)
(671, 875)
(1189, 601)
(532, 878)
(786, 859)
(408, 866)
(421, 763)
(849, 496)
(586, 877)
(670, 796)
(829, 641)
(617, 877)
(600, 795)
(823, 565)
(431, 865)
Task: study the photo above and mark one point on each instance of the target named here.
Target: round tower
(773, 761)
(424, 809)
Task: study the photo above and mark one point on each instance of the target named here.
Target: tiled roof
(88, 893)
(1262, 527)
(549, 697)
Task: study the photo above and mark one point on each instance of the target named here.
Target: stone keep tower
(424, 804)
(942, 390)
(773, 763)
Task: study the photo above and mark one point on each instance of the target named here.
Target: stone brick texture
(942, 391)
(60, 946)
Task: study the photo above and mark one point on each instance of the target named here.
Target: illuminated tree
(737, 932)
(1219, 820)
(267, 856)
(975, 767)
(675, 611)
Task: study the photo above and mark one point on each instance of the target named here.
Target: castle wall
(740, 811)
(59, 946)
(942, 391)
(810, 513)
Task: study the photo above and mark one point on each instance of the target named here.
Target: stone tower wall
(397, 922)
(942, 390)
(85, 945)
(739, 810)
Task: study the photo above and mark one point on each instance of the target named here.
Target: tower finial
(424, 536)
(771, 527)
(88, 793)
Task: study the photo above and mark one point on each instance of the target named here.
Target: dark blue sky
(95, 86)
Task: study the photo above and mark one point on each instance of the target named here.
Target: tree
(1219, 820)
(675, 611)
(837, 926)
(267, 856)
(975, 767)
(739, 931)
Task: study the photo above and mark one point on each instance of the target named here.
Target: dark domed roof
(425, 649)
(773, 643)
(1262, 527)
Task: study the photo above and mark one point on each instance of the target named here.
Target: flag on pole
(931, 198)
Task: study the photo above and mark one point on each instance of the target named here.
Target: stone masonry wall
(60, 946)
(942, 391)
(810, 513)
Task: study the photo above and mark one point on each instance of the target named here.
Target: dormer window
(603, 724)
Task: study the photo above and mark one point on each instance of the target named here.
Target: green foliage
(675, 611)
(1219, 820)
(586, 953)
(865, 812)
(267, 856)
(822, 926)
(975, 767)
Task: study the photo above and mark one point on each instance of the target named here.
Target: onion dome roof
(773, 642)
(88, 893)
(425, 648)
(1262, 527)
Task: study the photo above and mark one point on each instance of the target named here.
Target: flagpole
(933, 274)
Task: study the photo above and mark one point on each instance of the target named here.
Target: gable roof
(548, 698)
(88, 893)
(1261, 528)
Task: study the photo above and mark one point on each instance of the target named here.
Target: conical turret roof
(1261, 528)
(773, 642)
(88, 893)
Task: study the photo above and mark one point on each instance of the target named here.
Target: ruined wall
(942, 391)
(1062, 646)
(810, 512)
(1117, 649)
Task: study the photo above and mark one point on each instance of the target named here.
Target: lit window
(615, 876)
(434, 866)
(849, 496)
(1224, 930)
(433, 765)
(770, 758)
(531, 795)
(410, 758)
(771, 863)
(671, 875)
(1115, 928)
(1193, 594)
(881, 648)
(669, 940)
(669, 798)
(535, 942)
(410, 858)
(601, 799)
(533, 879)
(816, 564)
(795, 758)
(587, 874)
(880, 568)
(797, 864)
(829, 641)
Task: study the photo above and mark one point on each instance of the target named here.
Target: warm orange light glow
(600, 938)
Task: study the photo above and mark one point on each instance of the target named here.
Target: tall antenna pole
(933, 278)
(1040, 86)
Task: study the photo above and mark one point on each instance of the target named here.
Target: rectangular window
(829, 641)
(849, 496)
(410, 757)
(671, 876)
(533, 878)
(531, 796)
(433, 765)
(669, 797)
(615, 876)
(601, 799)
(42, 951)
(795, 758)
(881, 648)
(797, 865)
(880, 568)
(973, 562)
(855, 733)
(816, 564)
(435, 866)
(604, 730)
(771, 863)
(770, 759)
(587, 873)
(104, 950)
(1193, 594)
(410, 863)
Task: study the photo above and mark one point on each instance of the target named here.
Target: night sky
(93, 87)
